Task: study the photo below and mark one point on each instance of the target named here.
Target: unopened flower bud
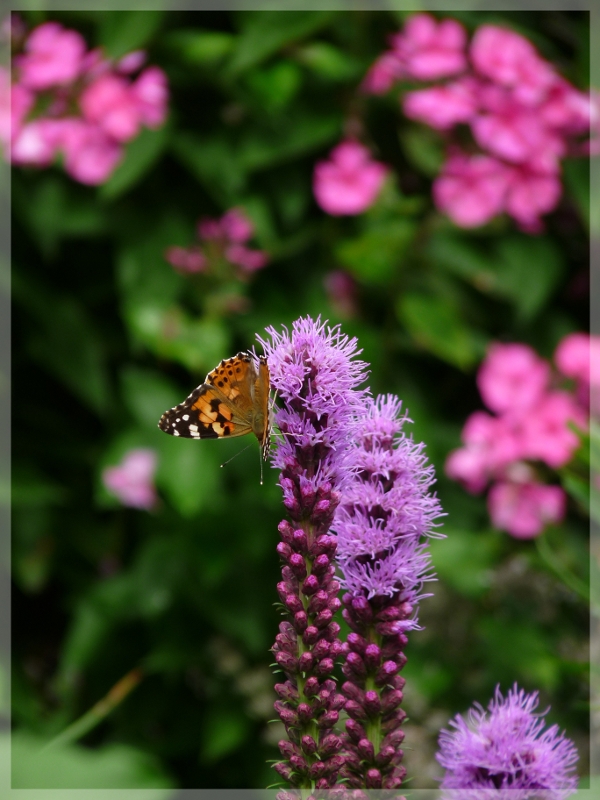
(287, 662)
(330, 745)
(310, 635)
(323, 618)
(310, 585)
(373, 779)
(287, 691)
(300, 621)
(320, 564)
(355, 710)
(391, 700)
(318, 602)
(321, 649)
(309, 746)
(297, 565)
(356, 665)
(328, 720)
(306, 662)
(293, 603)
(299, 541)
(372, 656)
(317, 770)
(304, 711)
(284, 770)
(385, 756)
(286, 531)
(394, 779)
(362, 609)
(387, 670)
(324, 667)
(366, 750)
(298, 763)
(355, 730)
(372, 704)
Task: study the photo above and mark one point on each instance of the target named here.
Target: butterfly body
(232, 401)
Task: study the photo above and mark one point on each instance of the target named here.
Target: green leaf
(328, 61)
(140, 156)
(377, 255)
(266, 32)
(465, 560)
(577, 178)
(214, 162)
(276, 86)
(113, 767)
(122, 31)
(147, 394)
(435, 325)
(225, 730)
(424, 148)
(528, 270)
(188, 473)
(200, 47)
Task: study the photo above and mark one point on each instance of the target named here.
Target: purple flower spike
(385, 516)
(506, 754)
(316, 374)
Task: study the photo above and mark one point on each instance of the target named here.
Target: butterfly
(232, 401)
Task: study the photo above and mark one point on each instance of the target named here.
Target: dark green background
(187, 591)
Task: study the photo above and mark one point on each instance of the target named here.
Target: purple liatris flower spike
(506, 754)
(316, 374)
(386, 513)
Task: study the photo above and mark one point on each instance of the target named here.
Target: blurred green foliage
(108, 335)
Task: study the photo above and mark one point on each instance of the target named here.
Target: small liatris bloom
(506, 753)
(350, 181)
(132, 481)
(386, 514)
(316, 374)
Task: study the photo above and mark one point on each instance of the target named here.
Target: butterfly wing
(221, 406)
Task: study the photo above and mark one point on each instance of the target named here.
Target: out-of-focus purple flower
(151, 93)
(429, 49)
(573, 354)
(507, 753)
(132, 62)
(132, 481)
(90, 154)
(525, 508)
(530, 194)
(350, 181)
(316, 374)
(249, 260)
(383, 74)
(237, 226)
(546, 430)
(53, 56)
(382, 524)
(471, 189)
(341, 291)
(109, 104)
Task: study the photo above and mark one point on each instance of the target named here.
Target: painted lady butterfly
(232, 401)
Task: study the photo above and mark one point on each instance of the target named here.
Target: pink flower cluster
(72, 102)
(532, 422)
(223, 238)
(350, 181)
(132, 481)
(524, 117)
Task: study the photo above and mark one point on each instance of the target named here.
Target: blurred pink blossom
(90, 154)
(512, 377)
(341, 291)
(53, 56)
(249, 260)
(572, 356)
(471, 189)
(507, 58)
(236, 226)
(547, 435)
(383, 73)
(531, 194)
(57, 75)
(524, 509)
(109, 103)
(429, 49)
(350, 181)
(132, 481)
(534, 423)
(190, 259)
(443, 106)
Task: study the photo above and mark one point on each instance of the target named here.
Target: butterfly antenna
(260, 458)
(235, 455)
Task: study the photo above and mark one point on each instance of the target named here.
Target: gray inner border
(593, 6)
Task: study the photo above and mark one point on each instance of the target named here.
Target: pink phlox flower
(530, 194)
(36, 143)
(471, 190)
(109, 103)
(508, 59)
(524, 509)
(188, 260)
(512, 376)
(444, 106)
(350, 181)
(151, 94)
(573, 354)
(547, 435)
(132, 481)
(383, 73)
(430, 49)
(90, 154)
(566, 109)
(53, 56)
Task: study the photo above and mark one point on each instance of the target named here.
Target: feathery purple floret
(316, 374)
(387, 510)
(382, 524)
(507, 753)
